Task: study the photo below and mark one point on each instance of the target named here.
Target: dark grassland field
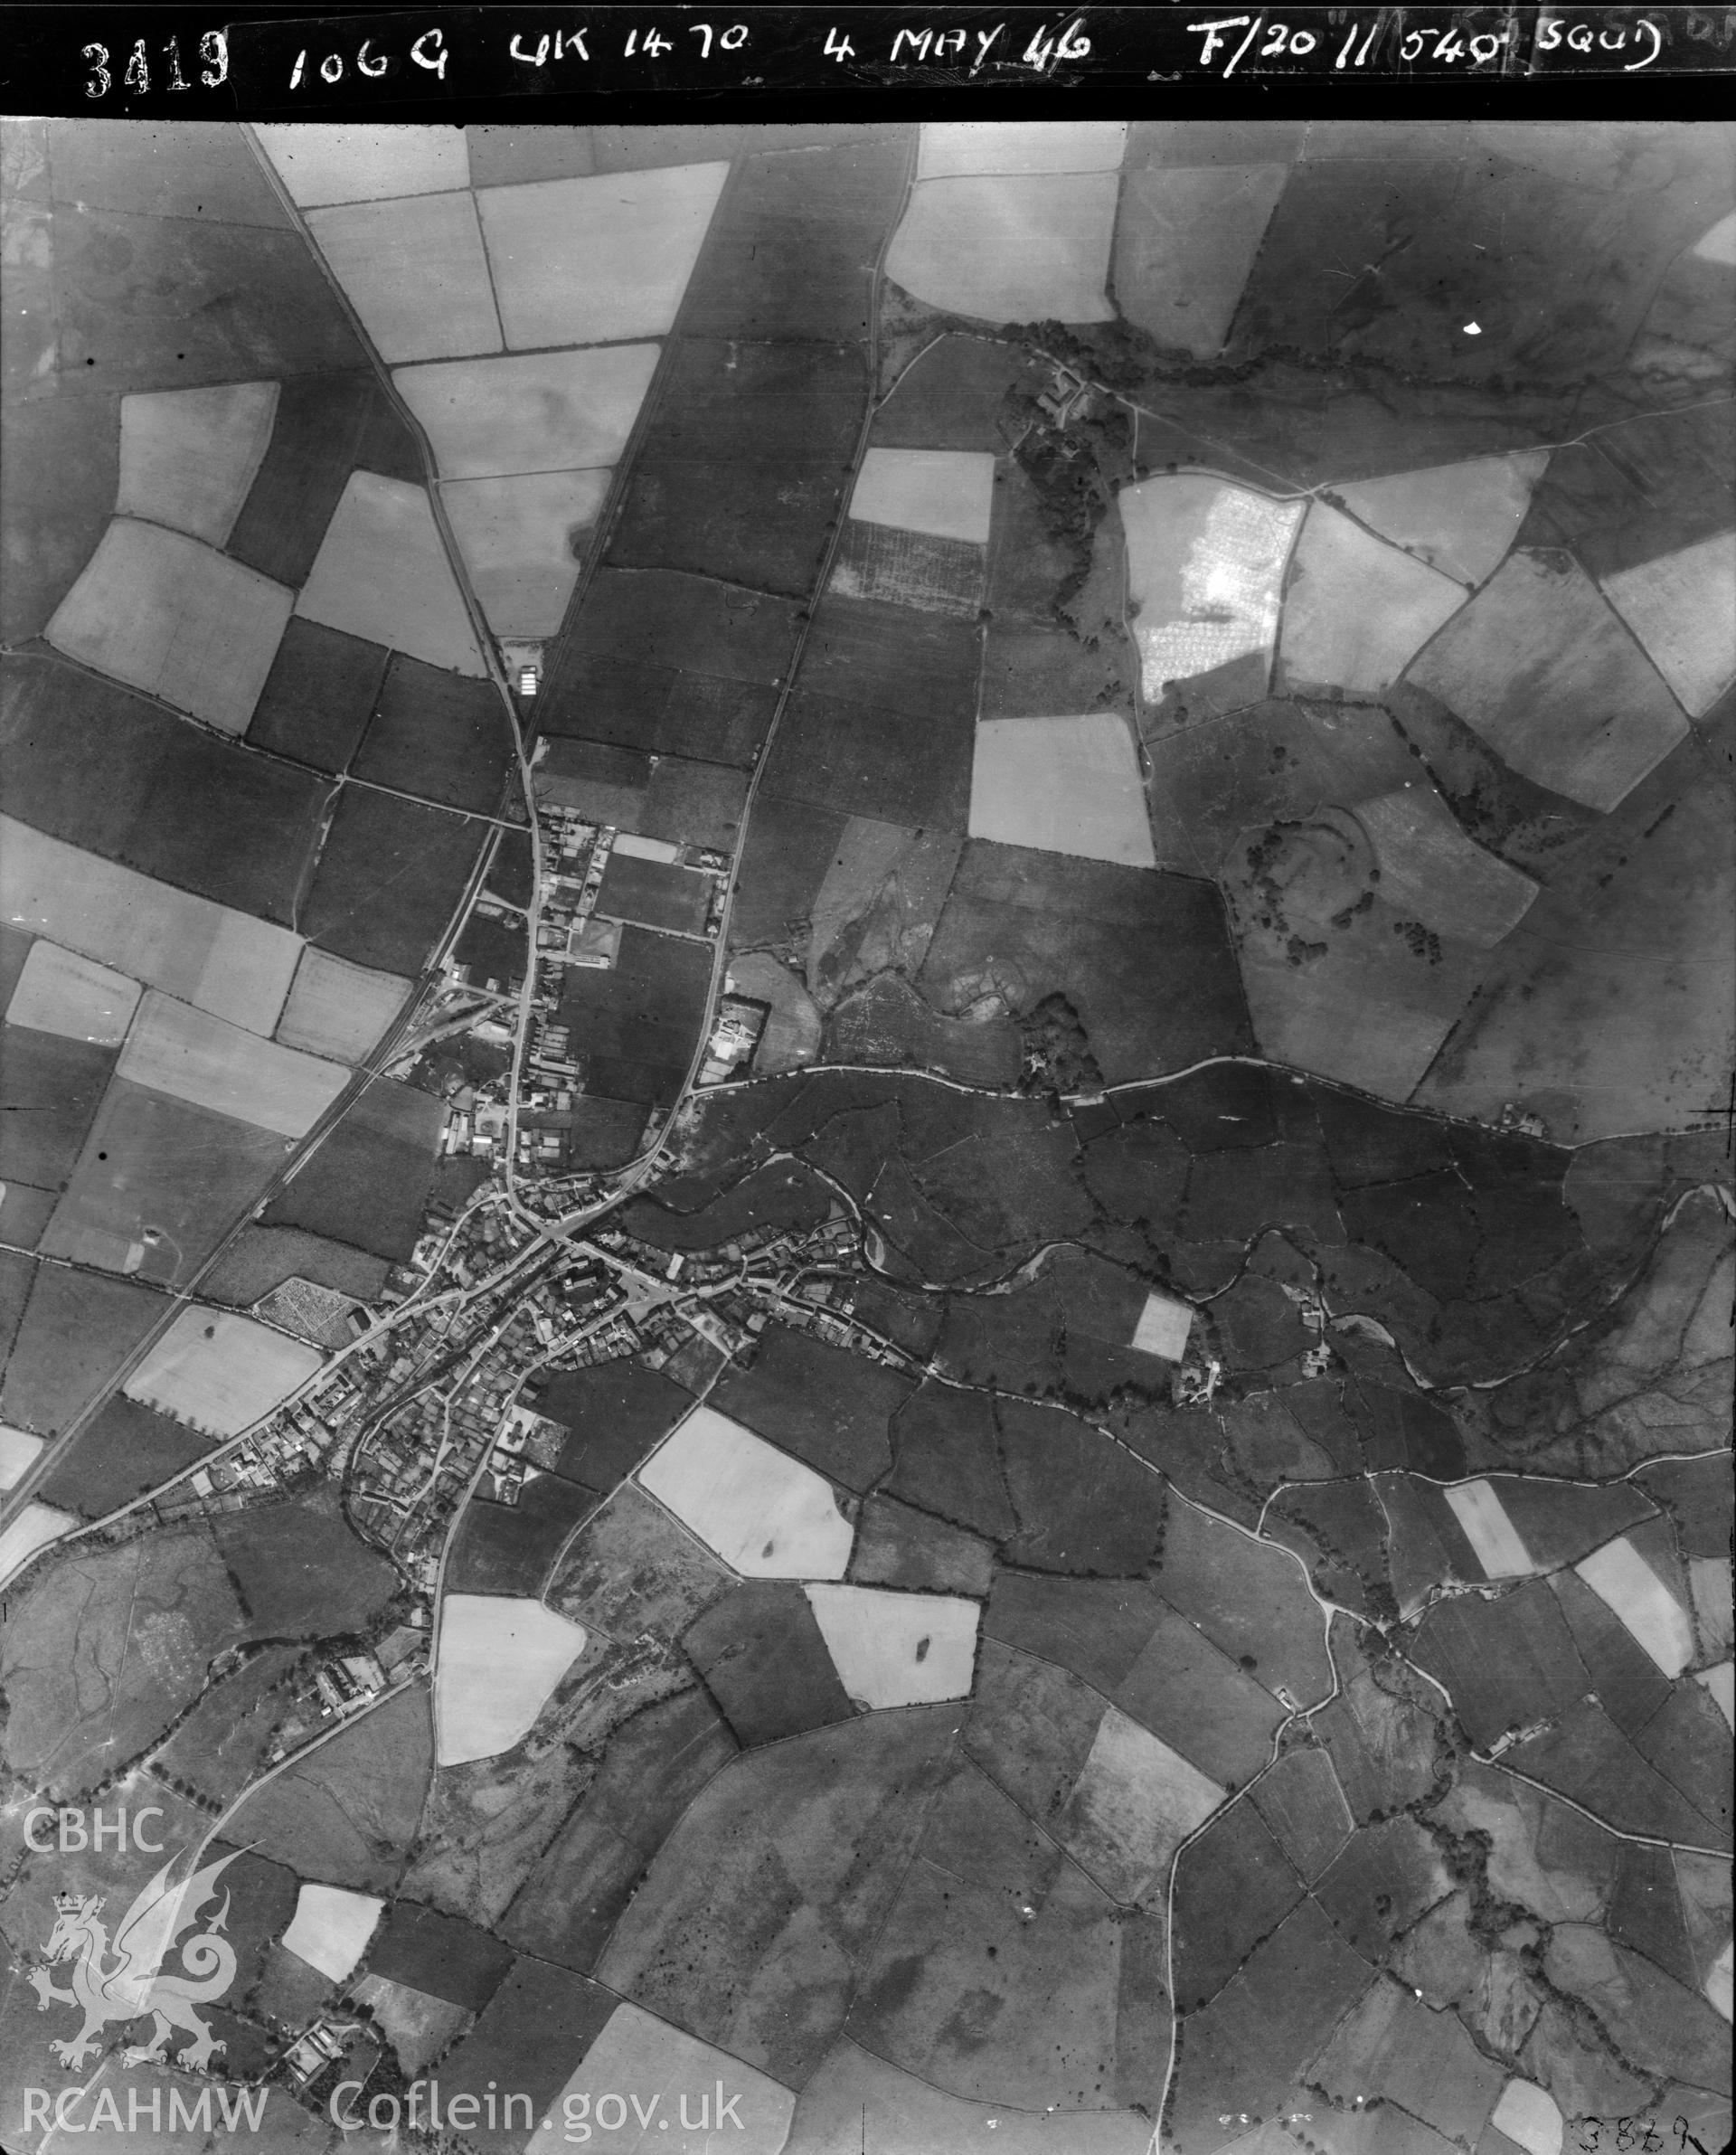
(785, 1195)
(531, 2033)
(790, 844)
(854, 758)
(654, 894)
(77, 1331)
(758, 1651)
(262, 1258)
(509, 1548)
(49, 1090)
(605, 1133)
(727, 401)
(345, 1814)
(1088, 930)
(764, 524)
(18, 1274)
(824, 1405)
(441, 735)
(614, 1414)
(327, 426)
(171, 801)
(675, 664)
(318, 695)
(1233, 1887)
(788, 254)
(222, 1744)
(639, 1022)
(368, 1184)
(299, 1570)
(124, 1451)
(694, 804)
(951, 397)
(441, 1954)
(494, 950)
(655, 1766)
(389, 877)
(182, 1169)
(638, 704)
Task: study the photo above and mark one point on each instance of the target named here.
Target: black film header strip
(177, 62)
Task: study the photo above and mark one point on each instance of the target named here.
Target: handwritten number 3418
(213, 49)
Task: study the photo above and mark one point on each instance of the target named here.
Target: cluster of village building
(435, 1397)
(573, 856)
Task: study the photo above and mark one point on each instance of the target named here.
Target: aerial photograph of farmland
(867, 1218)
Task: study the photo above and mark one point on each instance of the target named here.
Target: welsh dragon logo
(125, 1981)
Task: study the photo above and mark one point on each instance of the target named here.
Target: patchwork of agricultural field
(865, 1228)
